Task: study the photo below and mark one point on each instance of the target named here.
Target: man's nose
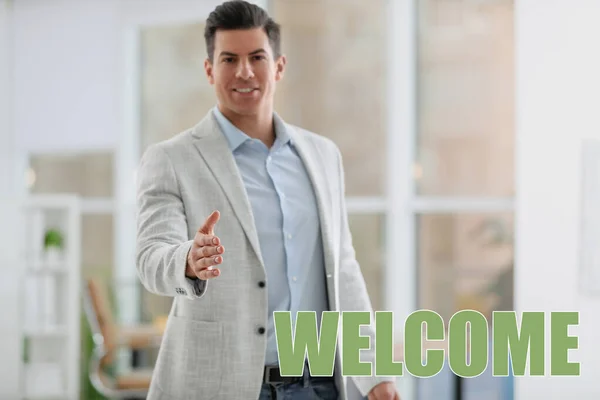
(244, 70)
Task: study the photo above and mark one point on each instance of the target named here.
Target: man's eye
(228, 59)
(258, 58)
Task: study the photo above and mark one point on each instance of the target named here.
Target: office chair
(108, 338)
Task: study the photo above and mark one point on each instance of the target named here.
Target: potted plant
(53, 252)
(53, 244)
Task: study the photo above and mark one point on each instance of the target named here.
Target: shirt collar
(235, 137)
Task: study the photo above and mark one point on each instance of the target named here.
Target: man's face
(244, 71)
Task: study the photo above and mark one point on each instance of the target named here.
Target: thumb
(210, 223)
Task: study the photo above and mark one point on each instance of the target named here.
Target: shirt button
(261, 284)
(289, 236)
(269, 159)
(294, 278)
(261, 331)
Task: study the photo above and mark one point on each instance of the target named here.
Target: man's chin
(246, 109)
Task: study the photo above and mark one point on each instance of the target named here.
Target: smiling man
(241, 216)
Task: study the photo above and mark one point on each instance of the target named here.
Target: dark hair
(239, 14)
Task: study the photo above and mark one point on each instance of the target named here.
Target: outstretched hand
(206, 251)
(384, 391)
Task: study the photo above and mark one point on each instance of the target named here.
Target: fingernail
(215, 241)
(215, 272)
(217, 259)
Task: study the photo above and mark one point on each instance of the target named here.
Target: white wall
(6, 136)
(558, 100)
(10, 344)
(66, 74)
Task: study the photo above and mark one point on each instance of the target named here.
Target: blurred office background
(462, 124)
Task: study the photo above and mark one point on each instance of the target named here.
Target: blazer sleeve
(162, 243)
(353, 295)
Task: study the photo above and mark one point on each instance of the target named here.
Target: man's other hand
(206, 251)
(384, 391)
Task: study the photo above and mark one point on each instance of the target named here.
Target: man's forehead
(243, 39)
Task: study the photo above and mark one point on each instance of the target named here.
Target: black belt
(272, 375)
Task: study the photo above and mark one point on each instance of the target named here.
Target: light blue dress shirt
(286, 218)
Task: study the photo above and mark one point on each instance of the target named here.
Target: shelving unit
(50, 289)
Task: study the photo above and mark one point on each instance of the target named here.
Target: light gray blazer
(211, 347)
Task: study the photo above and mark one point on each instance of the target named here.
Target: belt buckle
(268, 375)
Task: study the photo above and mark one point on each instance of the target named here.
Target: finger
(209, 251)
(397, 396)
(207, 262)
(210, 223)
(207, 274)
(206, 240)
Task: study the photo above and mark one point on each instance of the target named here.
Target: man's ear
(280, 67)
(208, 68)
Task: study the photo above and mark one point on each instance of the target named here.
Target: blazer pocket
(190, 359)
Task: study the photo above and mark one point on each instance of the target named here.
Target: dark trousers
(302, 388)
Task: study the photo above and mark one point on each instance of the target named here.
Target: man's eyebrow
(258, 51)
(230, 54)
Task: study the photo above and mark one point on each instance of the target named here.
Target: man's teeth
(244, 90)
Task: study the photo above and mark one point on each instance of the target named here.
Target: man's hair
(239, 14)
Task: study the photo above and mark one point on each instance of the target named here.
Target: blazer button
(261, 331)
(261, 284)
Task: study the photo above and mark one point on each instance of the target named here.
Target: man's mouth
(244, 90)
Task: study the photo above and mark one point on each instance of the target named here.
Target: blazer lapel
(309, 155)
(213, 147)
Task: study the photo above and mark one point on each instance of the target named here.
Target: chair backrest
(100, 315)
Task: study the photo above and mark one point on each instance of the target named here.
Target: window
(335, 81)
(464, 167)
(175, 94)
(465, 262)
(465, 107)
(84, 174)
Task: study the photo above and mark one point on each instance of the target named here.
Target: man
(241, 216)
